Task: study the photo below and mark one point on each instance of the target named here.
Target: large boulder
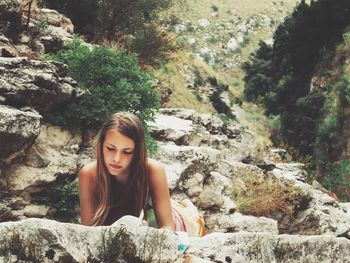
(52, 158)
(38, 84)
(36, 240)
(41, 240)
(56, 19)
(267, 248)
(54, 153)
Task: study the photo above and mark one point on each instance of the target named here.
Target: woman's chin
(118, 176)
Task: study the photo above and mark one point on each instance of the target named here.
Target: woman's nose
(117, 157)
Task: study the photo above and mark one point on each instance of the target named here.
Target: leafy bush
(258, 75)
(109, 19)
(336, 178)
(153, 42)
(112, 81)
(215, 8)
(64, 198)
(282, 74)
(344, 88)
(117, 17)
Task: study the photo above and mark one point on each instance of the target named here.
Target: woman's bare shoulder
(89, 172)
(154, 165)
(155, 170)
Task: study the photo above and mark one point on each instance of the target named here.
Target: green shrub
(189, 27)
(153, 42)
(246, 40)
(64, 198)
(337, 178)
(112, 81)
(109, 19)
(343, 87)
(215, 8)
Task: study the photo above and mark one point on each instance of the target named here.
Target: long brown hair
(133, 194)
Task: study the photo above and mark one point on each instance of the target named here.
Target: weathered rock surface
(54, 154)
(42, 240)
(18, 130)
(39, 84)
(206, 176)
(36, 240)
(44, 31)
(267, 248)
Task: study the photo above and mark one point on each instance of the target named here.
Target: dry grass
(170, 76)
(191, 11)
(203, 8)
(265, 197)
(230, 13)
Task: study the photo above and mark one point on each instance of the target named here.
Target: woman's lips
(115, 166)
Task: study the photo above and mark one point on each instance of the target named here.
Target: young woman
(122, 180)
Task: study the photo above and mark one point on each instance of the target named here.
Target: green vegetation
(282, 74)
(109, 19)
(279, 77)
(112, 81)
(114, 247)
(131, 24)
(24, 249)
(63, 198)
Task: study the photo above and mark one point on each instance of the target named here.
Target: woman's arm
(87, 184)
(160, 195)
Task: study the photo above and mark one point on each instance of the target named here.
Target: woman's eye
(128, 152)
(110, 149)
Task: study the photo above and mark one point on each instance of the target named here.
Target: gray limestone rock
(18, 130)
(42, 240)
(38, 84)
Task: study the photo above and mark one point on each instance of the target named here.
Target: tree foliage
(133, 25)
(280, 76)
(112, 81)
(109, 19)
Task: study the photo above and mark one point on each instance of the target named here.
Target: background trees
(280, 77)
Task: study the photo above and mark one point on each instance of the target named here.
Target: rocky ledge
(42, 240)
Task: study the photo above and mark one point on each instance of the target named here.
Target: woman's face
(118, 153)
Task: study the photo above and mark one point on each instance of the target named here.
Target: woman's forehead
(118, 140)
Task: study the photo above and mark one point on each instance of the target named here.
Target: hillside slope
(217, 37)
(303, 80)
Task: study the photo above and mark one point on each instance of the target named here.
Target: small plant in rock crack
(39, 29)
(152, 246)
(23, 248)
(64, 198)
(116, 247)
